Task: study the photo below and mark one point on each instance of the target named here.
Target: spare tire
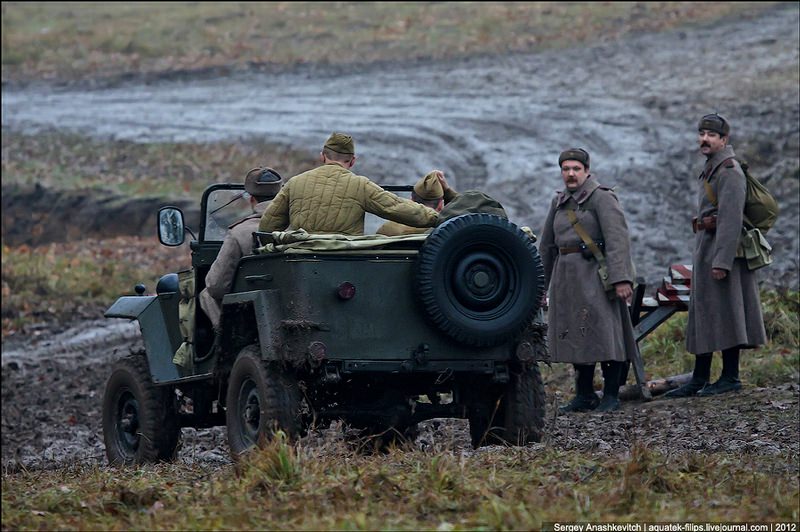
(479, 278)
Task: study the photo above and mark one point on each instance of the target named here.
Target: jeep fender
(259, 309)
(158, 321)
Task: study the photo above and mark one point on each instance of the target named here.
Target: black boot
(581, 403)
(700, 378)
(585, 399)
(612, 371)
(729, 380)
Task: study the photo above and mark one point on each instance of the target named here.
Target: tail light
(346, 291)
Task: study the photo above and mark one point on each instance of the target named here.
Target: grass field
(289, 487)
(81, 40)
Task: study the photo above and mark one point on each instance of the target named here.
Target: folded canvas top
(301, 241)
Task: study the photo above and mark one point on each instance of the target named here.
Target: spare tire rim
(483, 282)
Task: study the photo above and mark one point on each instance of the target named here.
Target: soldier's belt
(707, 223)
(582, 249)
(567, 251)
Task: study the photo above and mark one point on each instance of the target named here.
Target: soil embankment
(36, 215)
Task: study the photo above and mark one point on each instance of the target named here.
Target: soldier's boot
(729, 380)
(585, 399)
(581, 403)
(689, 389)
(612, 372)
(700, 378)
(723, 385)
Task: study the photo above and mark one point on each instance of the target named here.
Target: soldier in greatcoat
(261, 184)
(332, 199)
(588, 319)
(724, 308)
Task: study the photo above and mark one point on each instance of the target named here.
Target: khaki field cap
(715, 123)
(262, 182)
(574, 154)
(429, 188)
(341, 143)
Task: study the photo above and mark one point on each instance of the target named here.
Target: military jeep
(380, 332)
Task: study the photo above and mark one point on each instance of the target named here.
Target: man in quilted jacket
(332, 199)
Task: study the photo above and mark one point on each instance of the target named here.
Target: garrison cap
(715, 122)
(263, 182)
(341, 143)
(574, 154)
(429, 188)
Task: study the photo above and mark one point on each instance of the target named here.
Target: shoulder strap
(710, 193)
(573, 219)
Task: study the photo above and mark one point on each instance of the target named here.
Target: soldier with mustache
(588, 318)
(724, 308)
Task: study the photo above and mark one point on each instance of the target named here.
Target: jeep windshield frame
(232, 205)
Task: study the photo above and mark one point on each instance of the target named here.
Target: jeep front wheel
(261, 400)
(140, 420)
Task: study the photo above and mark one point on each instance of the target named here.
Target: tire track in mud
(78, 343)
(498, 123)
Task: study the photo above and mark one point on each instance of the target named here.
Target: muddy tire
(261, 400)
(479, 278)
(519, 417)
(140, 420)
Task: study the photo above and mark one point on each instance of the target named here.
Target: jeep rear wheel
(261, 400)
(140, 420)
(519, 417)
(479, 278)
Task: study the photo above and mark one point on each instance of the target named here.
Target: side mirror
(170, 226)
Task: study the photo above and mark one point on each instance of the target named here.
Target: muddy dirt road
(52, 392)
(498, 123)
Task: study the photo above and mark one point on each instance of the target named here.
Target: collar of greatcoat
(581, 194)
(259, 211)
(716, 159)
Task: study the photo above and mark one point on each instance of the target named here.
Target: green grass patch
(665, 354)
(664, 350)
(287, 486)
(51, 40)
(68, 281)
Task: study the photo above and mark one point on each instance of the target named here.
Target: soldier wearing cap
(724, 308)
(262, 184)
(332, 199)
(588, 319)
(432, 191)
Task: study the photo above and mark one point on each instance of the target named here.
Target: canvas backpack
(760, 207)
